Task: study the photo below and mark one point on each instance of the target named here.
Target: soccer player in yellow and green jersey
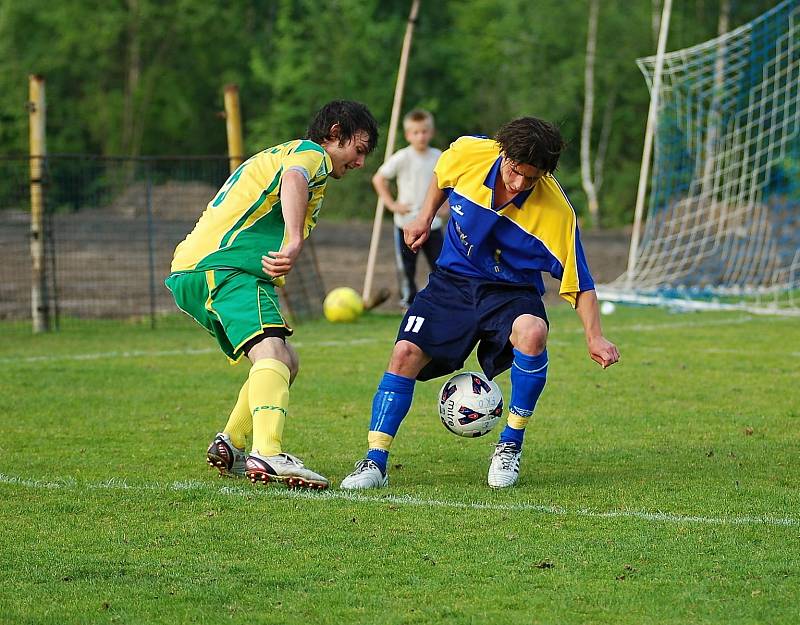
(225, 272)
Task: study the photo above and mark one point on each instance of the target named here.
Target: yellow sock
(517, 422)
(379, 440)
(268, 395)
(240, 423)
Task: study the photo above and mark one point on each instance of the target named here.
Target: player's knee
(294, 363)
(407, 359)
(404, 351)
(277, 349)
(529, 334)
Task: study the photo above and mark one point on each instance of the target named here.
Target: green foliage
(651, 492)
(146, 76)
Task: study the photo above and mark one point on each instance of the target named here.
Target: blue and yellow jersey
(536, 231)
(244, 221)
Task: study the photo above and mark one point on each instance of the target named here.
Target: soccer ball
(607, 308)
(342, 305)
(470, 405)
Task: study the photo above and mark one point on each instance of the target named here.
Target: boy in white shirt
(412, 166)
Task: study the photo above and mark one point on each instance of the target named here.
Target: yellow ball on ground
(342, 305)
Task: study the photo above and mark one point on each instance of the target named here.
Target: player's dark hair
(531, 141)
(351, 116)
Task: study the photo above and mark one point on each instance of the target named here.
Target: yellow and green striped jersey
(244, 221)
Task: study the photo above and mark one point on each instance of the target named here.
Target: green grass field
(662, 490)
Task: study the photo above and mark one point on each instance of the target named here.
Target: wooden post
(644, 170)
(38, 151)
(398, 101)
(233, 126)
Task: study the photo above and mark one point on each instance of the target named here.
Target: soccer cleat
(223, 455)
(284, 469)
(367, 475)
(504, 466)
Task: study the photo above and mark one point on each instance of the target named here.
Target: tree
(587, 179)
(149, 79)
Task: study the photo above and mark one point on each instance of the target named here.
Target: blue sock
(528, 377)
(379, 457)
(389, 407)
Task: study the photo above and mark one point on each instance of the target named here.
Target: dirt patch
(112, 263)
(171, 200)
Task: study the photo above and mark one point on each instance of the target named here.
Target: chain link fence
(110, 228)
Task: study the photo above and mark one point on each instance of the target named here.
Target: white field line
(398, 500)
(654, 327)
(165, 352)
(113, 354)
(300, 344)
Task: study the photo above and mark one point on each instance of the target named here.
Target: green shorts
(232, 305)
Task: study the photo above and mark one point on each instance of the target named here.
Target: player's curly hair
(351, 116)
(531, 141)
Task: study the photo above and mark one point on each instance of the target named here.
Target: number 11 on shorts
(413, 324)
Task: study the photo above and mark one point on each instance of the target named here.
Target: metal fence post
(151, 244)
(51, 255)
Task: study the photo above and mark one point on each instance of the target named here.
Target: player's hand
(400, 208)
(603, 352)
(416, 233)
(280, 263)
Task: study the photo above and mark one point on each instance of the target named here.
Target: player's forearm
(381, 186)
(589, 313)
(444, 211)
(434, 198)
(294, 204)
(601, 350)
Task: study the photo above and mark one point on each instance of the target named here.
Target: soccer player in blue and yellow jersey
(225, 272)
(509, 221)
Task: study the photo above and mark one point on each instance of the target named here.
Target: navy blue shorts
(454, 313)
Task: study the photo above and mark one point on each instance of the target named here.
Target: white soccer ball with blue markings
(470, 405)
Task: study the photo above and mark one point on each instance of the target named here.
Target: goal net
(722, 226)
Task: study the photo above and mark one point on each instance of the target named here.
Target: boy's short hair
(351, 116)
(531, 141)
(418, 115)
